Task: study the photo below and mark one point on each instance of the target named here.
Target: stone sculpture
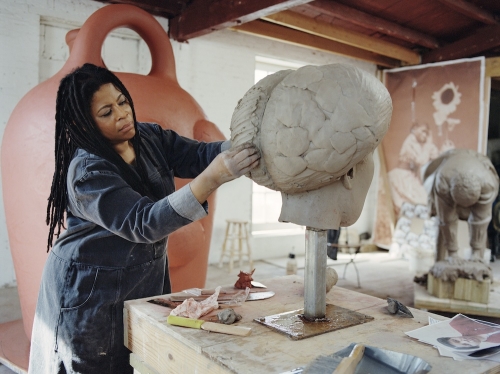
(462, 184)
(316, 128)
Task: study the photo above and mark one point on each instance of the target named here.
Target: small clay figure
(462, 184)
(244, 280)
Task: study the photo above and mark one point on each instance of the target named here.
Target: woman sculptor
(114, 181)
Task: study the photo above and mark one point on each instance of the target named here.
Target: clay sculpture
(316, 128)
(462, 184)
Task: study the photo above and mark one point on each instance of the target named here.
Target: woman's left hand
(238, 161)
(227, 166)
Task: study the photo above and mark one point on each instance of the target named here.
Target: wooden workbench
(160, 348)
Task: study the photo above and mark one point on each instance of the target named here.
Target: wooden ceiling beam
(486, 38)
(162, 8)
(290, 36)
(300, 22)
(472, 11)
(492, 67)
(374, 23)
(204, 16)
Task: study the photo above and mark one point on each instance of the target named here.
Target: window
(266, 203)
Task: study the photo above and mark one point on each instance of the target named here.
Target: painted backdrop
(436, 107)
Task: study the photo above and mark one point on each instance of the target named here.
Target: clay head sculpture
(316, 128)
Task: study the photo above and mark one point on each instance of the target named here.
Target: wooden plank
(472, 11)
(164, 350)
(461, 289)
(167, 9)
(204, 16)
(486, 114)
(438, 288)
(140, 366)
(266, 351)
(424, 300)
(385, 217)
(303, 23)
(294, 37)
(471, 290)
(374, 23)
(483, 40)
(492, 67)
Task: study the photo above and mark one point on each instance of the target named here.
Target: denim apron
(79, 318)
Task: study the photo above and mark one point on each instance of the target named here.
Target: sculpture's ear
(348, 177)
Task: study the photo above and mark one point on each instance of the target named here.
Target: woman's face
(112, 114)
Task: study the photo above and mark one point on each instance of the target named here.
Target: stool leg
(345, 268)
(223, 253)
(240, 244)
(249, 250)
(357, 273)
(231, 251)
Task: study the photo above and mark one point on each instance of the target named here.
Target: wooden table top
(162, 348)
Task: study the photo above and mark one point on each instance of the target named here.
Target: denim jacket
(105, 213)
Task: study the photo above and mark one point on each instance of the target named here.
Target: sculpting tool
(222, 297)
(208, 326)
(348, 364)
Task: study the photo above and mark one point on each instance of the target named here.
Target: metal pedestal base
(297, 327)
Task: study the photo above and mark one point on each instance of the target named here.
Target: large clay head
(316, 128)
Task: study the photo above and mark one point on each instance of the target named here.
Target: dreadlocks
(75, 128)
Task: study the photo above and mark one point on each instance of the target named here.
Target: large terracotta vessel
(28, 150)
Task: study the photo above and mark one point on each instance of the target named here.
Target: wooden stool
(236, 234)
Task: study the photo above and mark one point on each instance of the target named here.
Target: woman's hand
(236, 162)
(228, 165)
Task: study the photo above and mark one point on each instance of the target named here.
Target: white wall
(216, 69)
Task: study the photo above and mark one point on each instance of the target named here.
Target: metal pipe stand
(315, 274)
(317, 317)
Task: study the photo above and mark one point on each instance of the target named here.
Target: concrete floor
(380, 275)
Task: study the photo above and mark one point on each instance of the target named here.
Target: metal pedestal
(315, 274)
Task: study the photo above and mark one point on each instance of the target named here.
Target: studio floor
(380, 275)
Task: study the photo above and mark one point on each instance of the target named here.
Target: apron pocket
(86, 321)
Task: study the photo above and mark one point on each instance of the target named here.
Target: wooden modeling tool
(348, 364)
(208, 326)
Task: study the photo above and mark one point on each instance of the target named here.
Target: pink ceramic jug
(28, 150)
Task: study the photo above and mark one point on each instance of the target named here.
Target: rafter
(290, 36)
(374, 23)
(472, 11)
(166, 9)
(492, 68)
(486, 38)
(306, 24)
(204, 16)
